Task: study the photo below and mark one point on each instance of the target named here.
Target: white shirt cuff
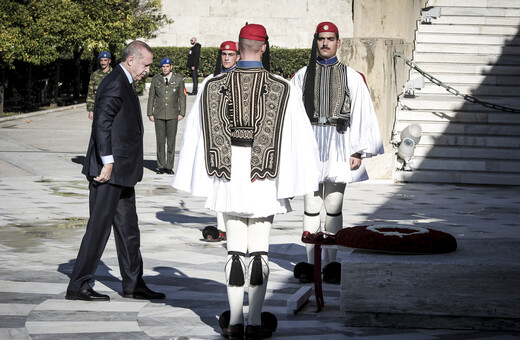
(107, 159)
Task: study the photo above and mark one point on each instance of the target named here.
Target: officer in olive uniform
(95, 79)
(166, 106)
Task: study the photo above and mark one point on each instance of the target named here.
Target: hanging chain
(454, 91)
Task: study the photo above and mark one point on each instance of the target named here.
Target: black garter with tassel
(257, 277)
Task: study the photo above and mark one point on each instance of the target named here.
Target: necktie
(166, 79)
(133, 88)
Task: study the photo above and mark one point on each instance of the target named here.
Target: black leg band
(311, 214)
(334, 215)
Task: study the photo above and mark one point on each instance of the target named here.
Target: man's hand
(152, 119)
(91, 115)
(355, 161)
(105, 174)
(179, 117)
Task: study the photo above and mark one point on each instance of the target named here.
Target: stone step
(440, 67)
(458, 128)
(511, 143)
(452, 102)
(484, 117)
(463, 58)
(497, 50)
(475, 3)
(468, 164)
(472, 39)
(510, 30)
(462, 177)
(471, 89)
(500, 80)
(478, 21)
(462, 152)
(484, 11)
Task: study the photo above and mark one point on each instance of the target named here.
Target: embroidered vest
(245, 107)
(331, 95)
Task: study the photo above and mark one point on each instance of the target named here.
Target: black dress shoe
(160, 171)
(233, 332)
(144, 293)
(169, 172)
(86, 295)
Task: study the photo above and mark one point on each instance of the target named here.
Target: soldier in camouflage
(95, 79)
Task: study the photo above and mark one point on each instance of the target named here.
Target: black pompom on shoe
(332, 273)
(232, 332)
(211, 234)
(269, 321)
(304, 272)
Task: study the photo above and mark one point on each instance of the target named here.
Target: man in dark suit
(113, 165)
(193, 63)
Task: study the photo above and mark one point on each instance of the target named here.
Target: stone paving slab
(44, 209)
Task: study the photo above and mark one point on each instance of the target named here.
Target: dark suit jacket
(193, 56)
(117, 129)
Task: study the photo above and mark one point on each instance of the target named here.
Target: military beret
(104, 55)
(253, 32)
(165, 61)
(327, 26)
(228, 46)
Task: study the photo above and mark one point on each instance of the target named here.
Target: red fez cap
(327, 26)
(253, 32)
(228, 46)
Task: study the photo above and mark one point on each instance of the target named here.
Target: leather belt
(324, 121)
(241, 142)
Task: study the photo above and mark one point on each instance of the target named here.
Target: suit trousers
(195, 78)
(165, 133)
(110, 205)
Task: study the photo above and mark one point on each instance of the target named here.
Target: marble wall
(289, 24)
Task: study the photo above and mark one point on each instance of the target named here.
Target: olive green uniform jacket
(167, 101)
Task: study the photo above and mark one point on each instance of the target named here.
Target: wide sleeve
(365, 136)
(299, 160)
(190, 174)
(297, 82)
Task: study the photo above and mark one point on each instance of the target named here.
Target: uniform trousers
(165, 134)
(110, 205)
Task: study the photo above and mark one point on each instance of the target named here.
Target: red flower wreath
(397, 239)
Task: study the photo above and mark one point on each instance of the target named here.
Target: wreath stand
(319, 239)
(395, 239)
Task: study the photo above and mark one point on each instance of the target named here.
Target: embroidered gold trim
(244, 106)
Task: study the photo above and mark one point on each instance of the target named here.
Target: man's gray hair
(135, 49)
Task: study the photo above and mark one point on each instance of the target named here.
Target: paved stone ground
(44, 211)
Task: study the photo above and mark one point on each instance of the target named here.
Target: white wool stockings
(330, 195)
(247, 235)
